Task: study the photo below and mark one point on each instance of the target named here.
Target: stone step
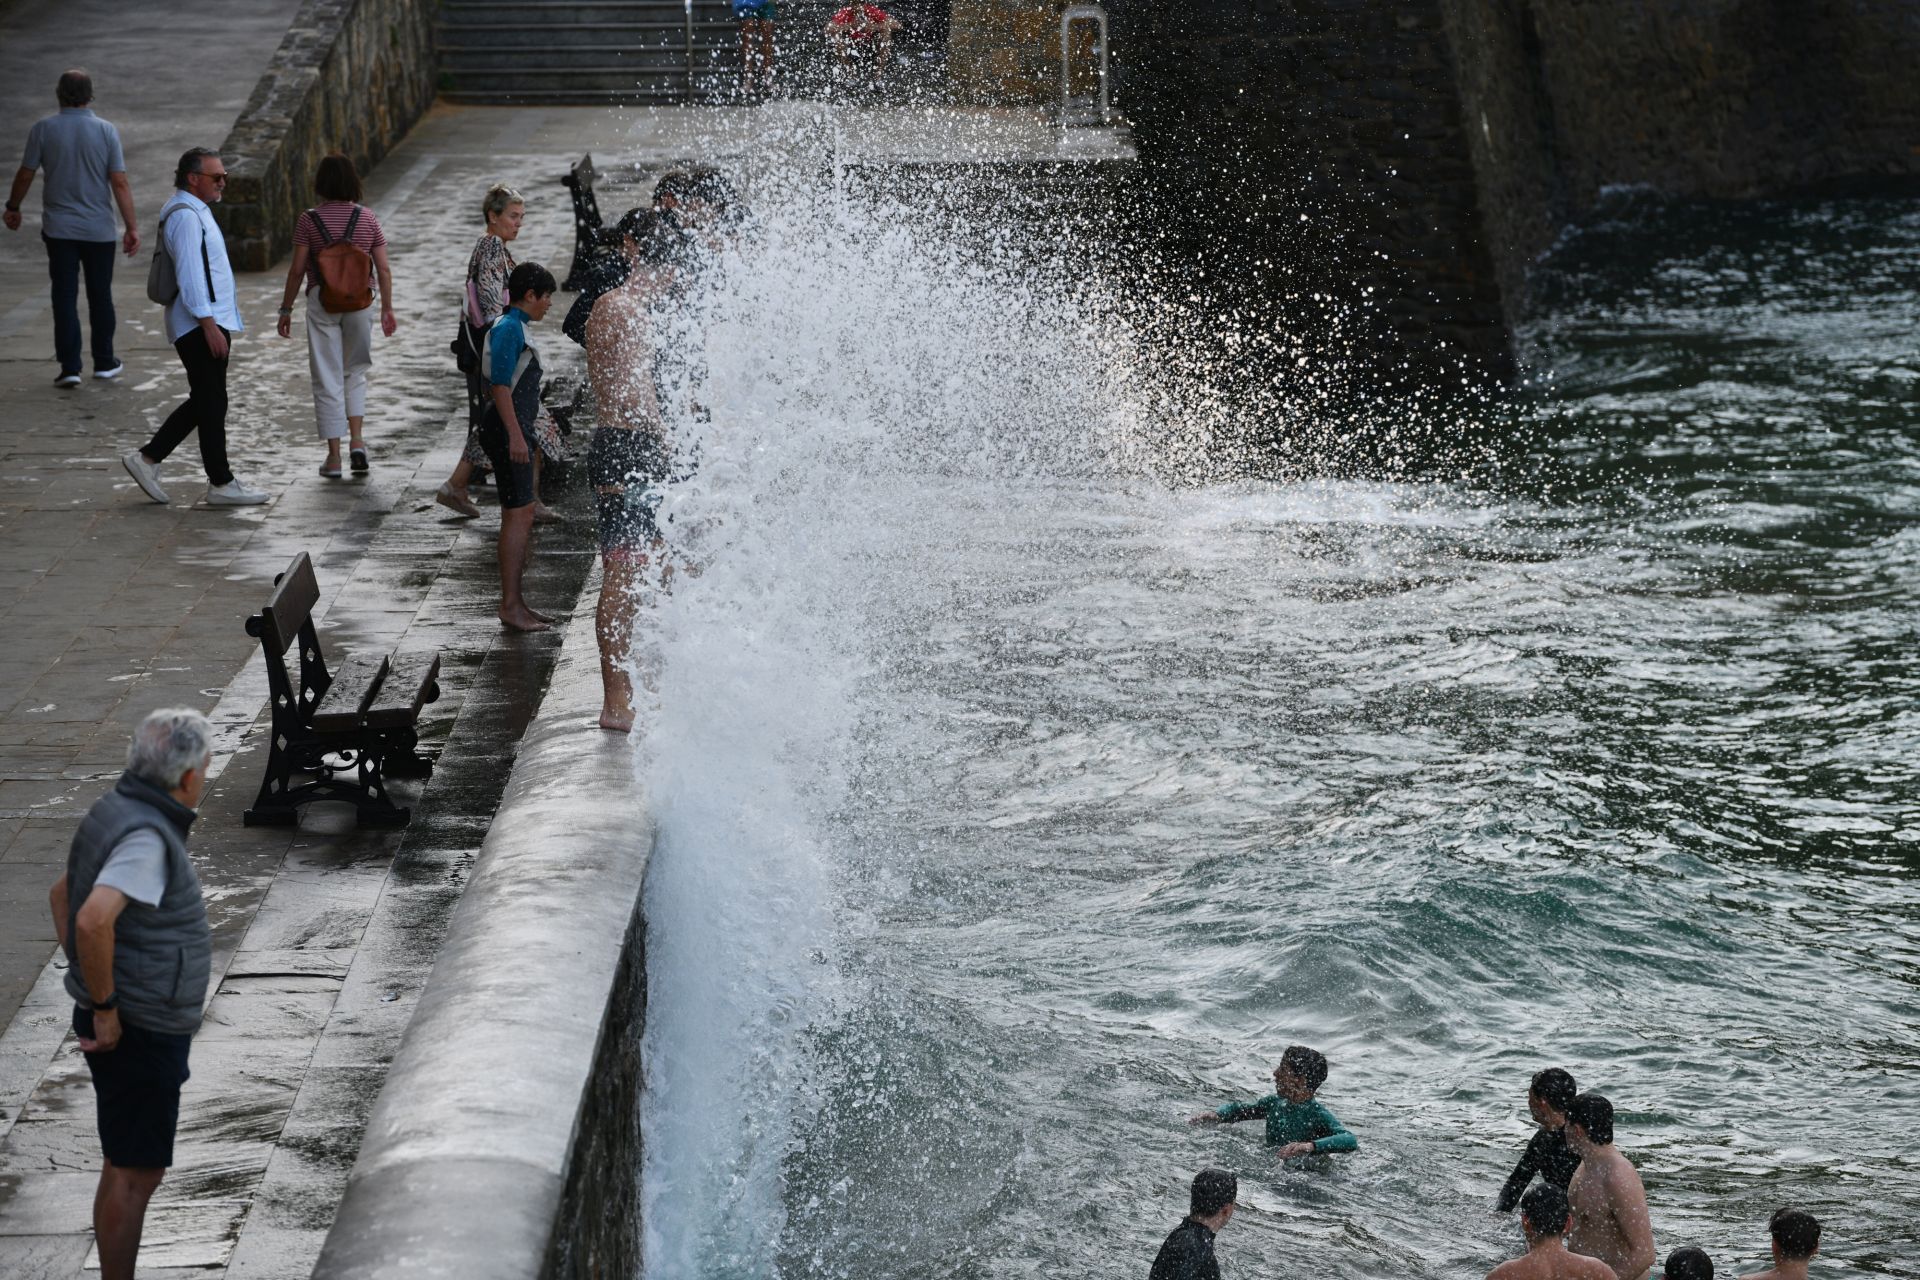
(473, 13)
(573, 51)
(460, 63)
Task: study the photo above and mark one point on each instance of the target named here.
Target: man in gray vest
(86, 180)
(130, 916)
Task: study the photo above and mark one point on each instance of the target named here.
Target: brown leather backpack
(346, 270)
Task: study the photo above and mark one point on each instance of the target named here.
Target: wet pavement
(111, 605)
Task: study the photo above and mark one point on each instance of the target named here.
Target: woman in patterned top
(486, 297)
(339, 346)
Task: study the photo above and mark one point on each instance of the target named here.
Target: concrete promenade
(111, 605)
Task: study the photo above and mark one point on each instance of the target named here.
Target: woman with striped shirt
(339, 344)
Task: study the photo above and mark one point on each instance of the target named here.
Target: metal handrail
(1082, 13)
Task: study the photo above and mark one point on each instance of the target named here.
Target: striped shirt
(334, 216)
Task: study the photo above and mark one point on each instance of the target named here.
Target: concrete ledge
(470, 1153)
(352, 76)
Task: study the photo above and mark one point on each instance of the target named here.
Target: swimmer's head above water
(1690, 1263)
(1300, 1074)
(1550, 1095)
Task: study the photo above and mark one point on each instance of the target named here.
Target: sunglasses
(217, 179)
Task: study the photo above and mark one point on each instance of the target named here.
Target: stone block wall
(1327, 137)
(597, 1231)
(352, 76)
(1695, 98)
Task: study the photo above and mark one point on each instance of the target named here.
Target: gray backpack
(163, 280)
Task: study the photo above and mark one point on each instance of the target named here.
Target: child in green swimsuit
(1296, 1124)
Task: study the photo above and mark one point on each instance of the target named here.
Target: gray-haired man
(86, 179)
(130, 916)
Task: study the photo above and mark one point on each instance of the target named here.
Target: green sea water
(1606, 762)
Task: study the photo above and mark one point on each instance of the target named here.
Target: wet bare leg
(516, 527)
(613, 628)
(119, 1213)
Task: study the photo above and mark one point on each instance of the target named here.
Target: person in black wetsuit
(1188, 1251)
(1547, 1153)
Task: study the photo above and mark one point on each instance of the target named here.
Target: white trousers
(339, 353)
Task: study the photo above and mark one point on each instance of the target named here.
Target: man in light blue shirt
(86, 178)
(201, 321)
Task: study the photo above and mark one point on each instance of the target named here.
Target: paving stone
(47, 1257)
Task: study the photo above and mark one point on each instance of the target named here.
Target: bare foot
(544, 514)
(544, 617)
(522, 619)
(619, 724)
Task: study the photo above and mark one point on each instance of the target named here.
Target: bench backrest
(295, 593)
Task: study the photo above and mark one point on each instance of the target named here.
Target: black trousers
(205, 409)
(66, 260)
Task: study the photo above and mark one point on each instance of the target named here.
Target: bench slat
(410, 676)
(287, 608)
(345, 702)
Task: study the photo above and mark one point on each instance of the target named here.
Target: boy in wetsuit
(1547, 1153)
(1187, 1253)
(1296, 1124)
(511, 369)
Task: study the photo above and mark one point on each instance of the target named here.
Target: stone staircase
(585, 51)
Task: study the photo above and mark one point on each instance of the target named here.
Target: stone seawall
(1417, 157)
(505, 1143)
(1325, 135)
(351, 76)
(1715, 99)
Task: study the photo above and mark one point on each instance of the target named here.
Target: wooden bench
(586, 221)
(360, 719)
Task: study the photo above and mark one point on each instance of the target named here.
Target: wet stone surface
(111, 605)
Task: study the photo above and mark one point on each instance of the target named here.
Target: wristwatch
(12, 208)
(109, 1005)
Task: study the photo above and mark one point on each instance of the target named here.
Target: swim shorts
(753, 10)
(627, 469)
(514, 480)
(136, 1085)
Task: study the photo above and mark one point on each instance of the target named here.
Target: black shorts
(627, 470)
(513, 481)
(137, 1087)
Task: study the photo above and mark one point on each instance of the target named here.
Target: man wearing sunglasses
(201, 320)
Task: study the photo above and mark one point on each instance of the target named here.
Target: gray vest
(162, 956)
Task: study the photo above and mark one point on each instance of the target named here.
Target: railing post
(1097, 15)
(689, 6)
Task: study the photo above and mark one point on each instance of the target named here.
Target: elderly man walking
(201, 321)
(86, 179)
(131, 918)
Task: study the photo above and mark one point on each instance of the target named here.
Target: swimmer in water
(1609, 1201)
(1690, 1263)
(1547, 1153)
(1796, 1238)
(1296, 1124)
(1187, 1253)
(1543, 1220)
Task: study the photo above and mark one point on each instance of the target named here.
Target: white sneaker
(144, 474)
(107, 375)
(235, 494)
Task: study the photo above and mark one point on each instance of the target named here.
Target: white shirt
(185, 234)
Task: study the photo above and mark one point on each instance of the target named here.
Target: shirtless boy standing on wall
(1609, 1202)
